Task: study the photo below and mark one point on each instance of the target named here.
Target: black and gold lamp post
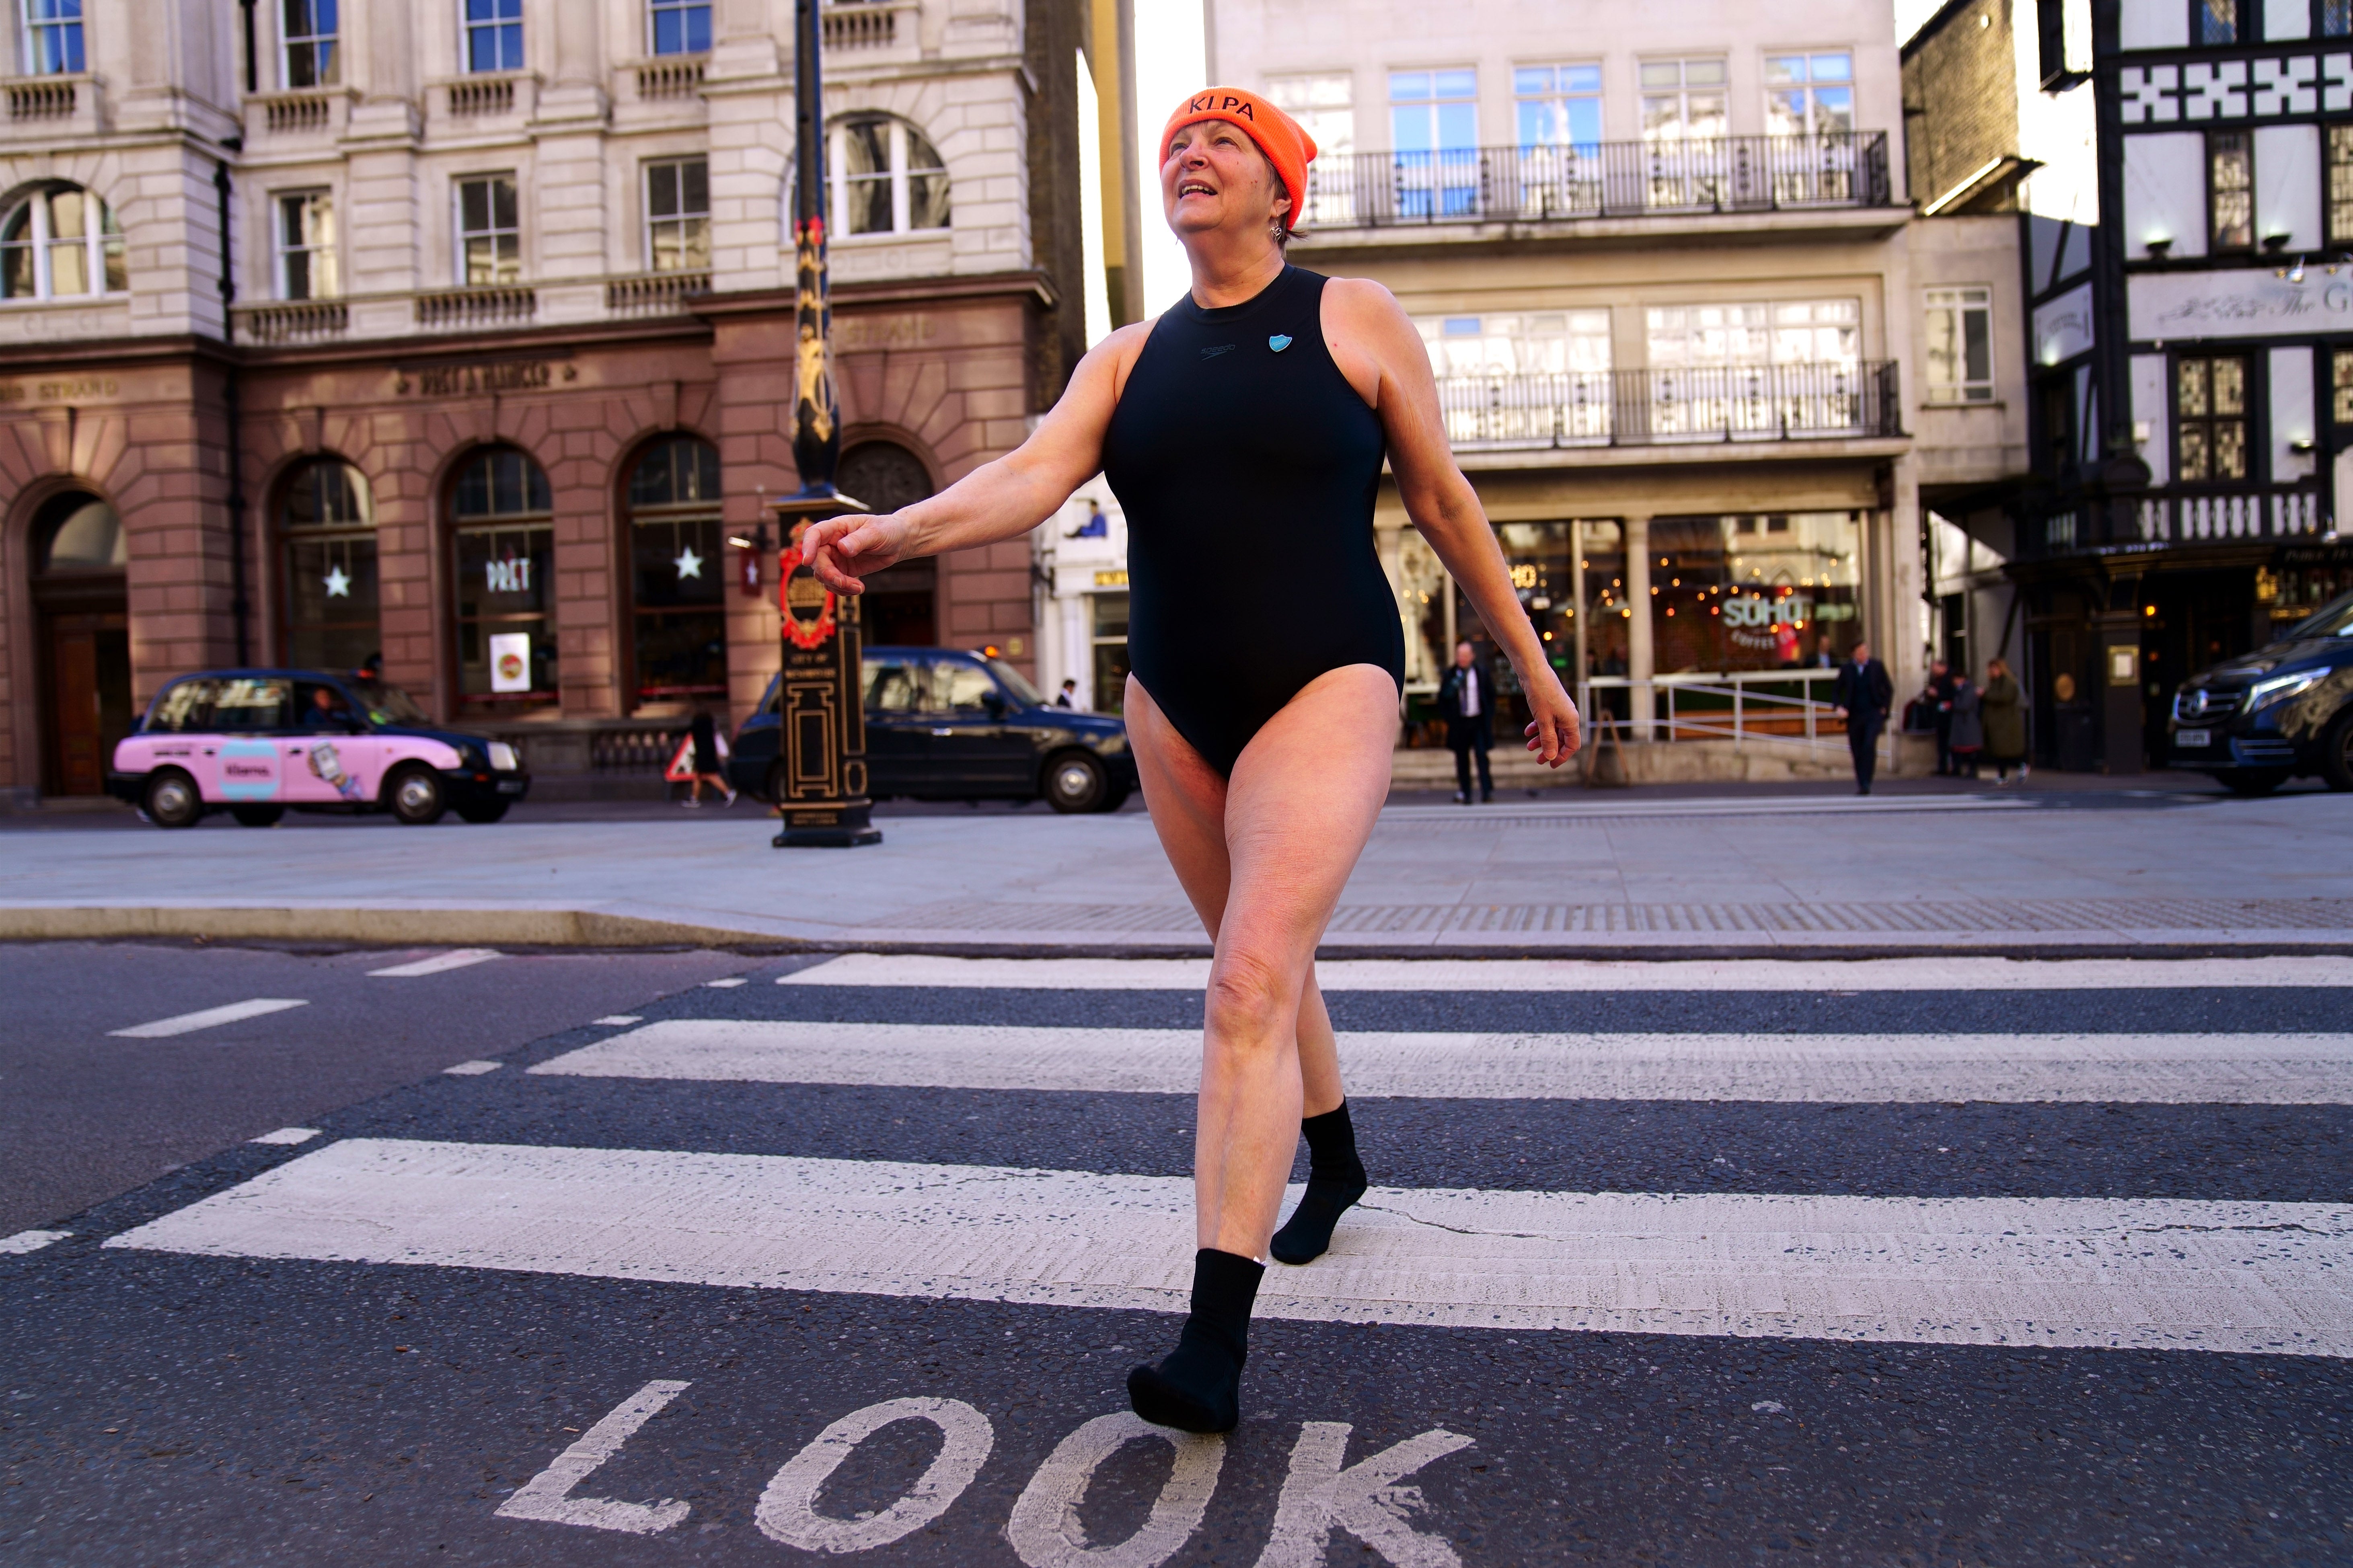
(821, 716)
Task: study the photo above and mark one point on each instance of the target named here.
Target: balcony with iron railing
(1518, 185)
(2181, 515)
(1713, 405)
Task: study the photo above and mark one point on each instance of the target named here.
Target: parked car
(254, 743)
(2282, 711)
(944, 725)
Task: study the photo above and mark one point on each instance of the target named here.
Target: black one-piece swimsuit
(1248, 466)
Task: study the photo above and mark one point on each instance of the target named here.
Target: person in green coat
(2004, 717)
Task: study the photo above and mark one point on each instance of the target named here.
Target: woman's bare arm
(999, 500)
(1377, 348)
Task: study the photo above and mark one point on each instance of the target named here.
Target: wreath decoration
(805, 632)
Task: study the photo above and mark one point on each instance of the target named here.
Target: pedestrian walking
(1940, 705)
(1068, 696)
(1243, 431)
(1966, 735)
(2004, 712)
(1465, 701)
(1861, 695)
(710, 758)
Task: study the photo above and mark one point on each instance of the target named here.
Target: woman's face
(1213, 176)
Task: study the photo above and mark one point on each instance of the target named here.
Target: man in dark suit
(1466, 700)
(1861, 695)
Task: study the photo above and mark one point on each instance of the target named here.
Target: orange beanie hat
(1284, 142)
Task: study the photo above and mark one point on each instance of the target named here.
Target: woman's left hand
(1555, 732)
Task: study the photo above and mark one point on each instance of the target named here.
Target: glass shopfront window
(1109, 619)
(678, 573)
(327, 519)
(504, 569)
(1778, 591)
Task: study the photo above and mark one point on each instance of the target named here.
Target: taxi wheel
(2337, 752)
(1075, 782)
(173, 800)
(415, 798)
(258, 816)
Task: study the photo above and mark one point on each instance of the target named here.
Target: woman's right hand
(845, 549)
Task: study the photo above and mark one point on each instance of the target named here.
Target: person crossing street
(1861, 695)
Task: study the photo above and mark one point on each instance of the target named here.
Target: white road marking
(1600, 977)
(787, 1508)
(2176, 1069)
(1045, 1529)
(2144, 1274)
(547, 1496)
(727, 985)
(439, 964)
(1364, 1499)
(208, 1018)
(471, 1069)
(286, 1135)
(31, 1240)
(617, 1020)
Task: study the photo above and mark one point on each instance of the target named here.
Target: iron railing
(1788, 709)
(1648, 407)
(1600, 179)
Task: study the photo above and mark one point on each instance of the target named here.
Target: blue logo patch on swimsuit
(1220, 349)
(1280, 341)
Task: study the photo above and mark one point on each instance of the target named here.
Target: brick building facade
(500, 343)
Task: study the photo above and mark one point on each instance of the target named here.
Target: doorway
(79, 555)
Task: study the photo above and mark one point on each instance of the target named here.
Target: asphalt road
(257, 1397)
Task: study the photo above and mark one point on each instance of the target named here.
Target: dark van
(2282, 711)
(944, 725)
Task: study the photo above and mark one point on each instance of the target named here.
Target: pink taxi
(255, 742)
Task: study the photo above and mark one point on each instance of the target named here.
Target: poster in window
(511, 662)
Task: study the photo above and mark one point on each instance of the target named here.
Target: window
(2230, 190)
(489, 241)
(1434, 142)
(2211, 418)
(1324, 106)
(1705, 363)
(2335, 18)
(2340, 180)
(59, 242)
(327, 519)
(1960, 345)
(306, 247)
(1810, 95)
(504, 550)
(2340, 382)
(888, 179)
(308, 39)
(1794, 332)
(1755, 592)
(678, 215)
(1683, 100)
(680, 26)
(494, 35)
(678, 571)
(1557, 106)
(53, 37)
(1542, 344)
(2214, 21)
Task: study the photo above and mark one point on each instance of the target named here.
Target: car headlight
(2279, 687)
(503, 758)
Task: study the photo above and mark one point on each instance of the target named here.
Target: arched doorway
(899, 606)
(327, 522)
(79, 554)
(677, 573)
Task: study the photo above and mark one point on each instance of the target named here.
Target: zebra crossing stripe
(2144, 1274)
(2178, 1069)
(1598, 975)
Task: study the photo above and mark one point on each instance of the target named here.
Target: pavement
(634, 1257)
(2159, 865)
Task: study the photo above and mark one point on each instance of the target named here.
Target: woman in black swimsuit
(1244, 432)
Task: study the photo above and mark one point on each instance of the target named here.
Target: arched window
(57, 242)
(899, 606)
(81, 534)
(887, 177)
(327, 521)
(503, 539)
(677, 576)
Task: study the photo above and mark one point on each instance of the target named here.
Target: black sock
(1335, 1180)
(1198, 1386)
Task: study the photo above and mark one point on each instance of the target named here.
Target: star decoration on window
(339, 583)
(688, 564)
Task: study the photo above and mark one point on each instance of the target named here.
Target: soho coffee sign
(2246, 303)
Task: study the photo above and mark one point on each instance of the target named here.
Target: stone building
(1695, 350)
(458, 337)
